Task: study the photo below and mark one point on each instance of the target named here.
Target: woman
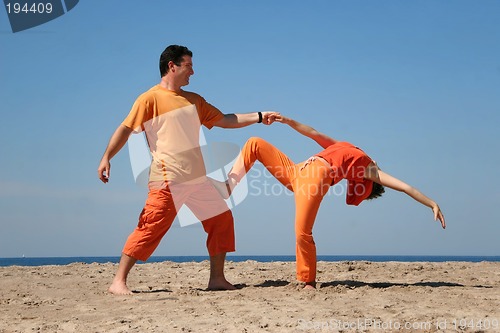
(311, 180)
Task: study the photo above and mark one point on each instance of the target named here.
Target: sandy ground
(171, 297)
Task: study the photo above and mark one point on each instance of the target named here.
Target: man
(171, 119)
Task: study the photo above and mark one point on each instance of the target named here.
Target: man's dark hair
(173, 53)
(377, 191)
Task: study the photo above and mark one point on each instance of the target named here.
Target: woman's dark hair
(377, 191)
(173, 53)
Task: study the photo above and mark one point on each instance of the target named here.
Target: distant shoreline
(44, 261)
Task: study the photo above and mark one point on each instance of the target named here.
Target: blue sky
(415, 84)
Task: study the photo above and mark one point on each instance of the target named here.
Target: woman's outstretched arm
(322, 139)
(374, 173)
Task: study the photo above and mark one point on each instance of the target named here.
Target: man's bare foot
(220, 285)
(119, 288)
(310, 286)
(224, 188)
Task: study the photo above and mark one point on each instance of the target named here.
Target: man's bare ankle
(310, 285)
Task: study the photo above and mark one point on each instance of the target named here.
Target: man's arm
(238, 120)
(374, 173)
(117, 141)
(322, 139)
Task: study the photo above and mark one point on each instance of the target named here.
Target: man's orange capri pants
(160, 211)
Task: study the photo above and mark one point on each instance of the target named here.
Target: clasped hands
(269, 117)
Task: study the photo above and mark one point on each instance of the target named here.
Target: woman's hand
(438, 215)
(282, 119)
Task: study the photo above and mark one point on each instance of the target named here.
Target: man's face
(184, 71)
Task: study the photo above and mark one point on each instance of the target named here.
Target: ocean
(40, 261)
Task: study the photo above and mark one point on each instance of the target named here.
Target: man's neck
(168, 84)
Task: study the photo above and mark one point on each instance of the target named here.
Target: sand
(171, 297)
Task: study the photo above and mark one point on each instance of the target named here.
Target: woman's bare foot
(224, 188)
(119, 288)
(221, 284)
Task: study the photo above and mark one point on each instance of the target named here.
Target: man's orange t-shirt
(171, 122)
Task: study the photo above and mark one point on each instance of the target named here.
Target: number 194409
(34, 8)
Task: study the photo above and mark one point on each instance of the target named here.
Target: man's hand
(269, 117)
(117, 141)
(103, 170)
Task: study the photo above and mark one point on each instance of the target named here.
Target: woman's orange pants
(309, 181)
